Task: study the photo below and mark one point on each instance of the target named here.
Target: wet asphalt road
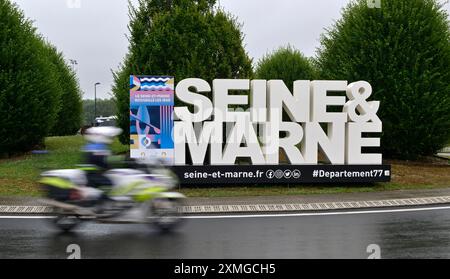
(419, 234)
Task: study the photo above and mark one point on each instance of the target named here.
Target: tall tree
(403, 50)
(29, 99)
(182, 38)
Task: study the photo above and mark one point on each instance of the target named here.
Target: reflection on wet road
(421, 234)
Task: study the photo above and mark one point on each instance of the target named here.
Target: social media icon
(279, 174)
(270, 174)
(287, 174)
(296, 174)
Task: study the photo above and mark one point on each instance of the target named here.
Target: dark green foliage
(68, 120)
(287, 64)
(122, 100)
(188, 42)
(105, 107)
(403, 50)
(183, 38)
(28, 90)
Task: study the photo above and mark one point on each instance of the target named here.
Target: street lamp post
(95, 100)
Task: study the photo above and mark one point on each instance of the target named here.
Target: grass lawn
(18, 175)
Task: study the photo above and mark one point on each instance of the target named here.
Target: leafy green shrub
(287, 64)
(403, 50)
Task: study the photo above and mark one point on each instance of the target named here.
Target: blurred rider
(96, 154)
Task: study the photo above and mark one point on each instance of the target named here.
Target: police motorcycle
(140, 193)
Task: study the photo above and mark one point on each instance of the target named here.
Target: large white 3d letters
(245, 120)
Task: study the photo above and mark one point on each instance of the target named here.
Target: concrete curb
(264, 208)
(321, 206)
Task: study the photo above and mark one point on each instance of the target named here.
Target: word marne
(255, 133)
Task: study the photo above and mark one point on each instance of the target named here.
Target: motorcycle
(141, 189)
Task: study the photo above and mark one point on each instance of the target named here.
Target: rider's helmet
(104, 134)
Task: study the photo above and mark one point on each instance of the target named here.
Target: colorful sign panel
(151, 118)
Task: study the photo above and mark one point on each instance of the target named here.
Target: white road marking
(26, 217)
(354, 212)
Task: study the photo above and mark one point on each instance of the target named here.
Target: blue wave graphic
(161, 83)
(157, 79)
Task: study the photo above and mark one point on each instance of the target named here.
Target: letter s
(203, 107)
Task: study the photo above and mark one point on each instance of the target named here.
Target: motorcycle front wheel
(64, 221)
(165, 214)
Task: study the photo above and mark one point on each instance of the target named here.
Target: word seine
(306, 107)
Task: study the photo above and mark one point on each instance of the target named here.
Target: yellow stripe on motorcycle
(88, 168)
(120, 191)
(57, 182)
(148, 193)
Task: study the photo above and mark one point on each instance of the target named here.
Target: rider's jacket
(96, 154)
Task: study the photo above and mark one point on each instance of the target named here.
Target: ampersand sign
(357, 108)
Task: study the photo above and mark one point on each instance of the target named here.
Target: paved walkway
(267, 204)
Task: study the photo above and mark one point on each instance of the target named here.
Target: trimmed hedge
(29, 99)
(68, 120)
(39, 93)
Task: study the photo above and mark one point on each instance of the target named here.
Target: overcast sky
(92, 32)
